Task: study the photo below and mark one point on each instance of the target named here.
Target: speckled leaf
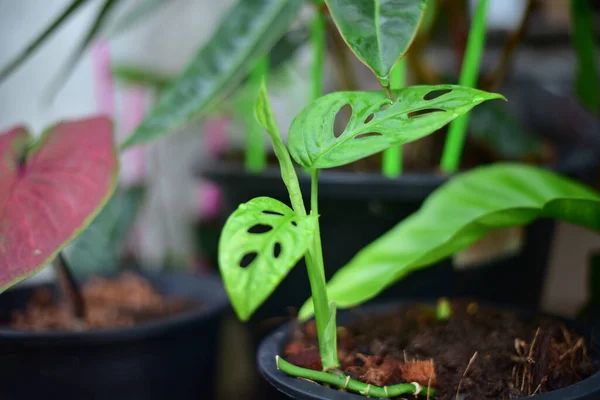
(245, 34)
(260, 243)
(51, 192)
(457, 215)
(377, 123)
(379, 32)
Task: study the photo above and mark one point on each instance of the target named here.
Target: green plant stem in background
(256, 155)
(347, 383)
(317, 39)
(392, 157)
(443, 309)
(468, 77)
(586, 81)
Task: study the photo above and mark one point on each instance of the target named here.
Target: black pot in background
(273, 345)
(173, 358)
(356, 208)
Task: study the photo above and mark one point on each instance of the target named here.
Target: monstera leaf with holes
(455, 216)
(379, 32)
(377, 122)
(260, 243)
(50, 190)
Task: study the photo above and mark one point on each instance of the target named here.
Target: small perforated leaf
(260, 243)
(416, 112)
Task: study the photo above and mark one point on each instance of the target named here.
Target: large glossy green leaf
(376, 123)
(245, 34)
(260, 243)
(455, 216)
(379, 32)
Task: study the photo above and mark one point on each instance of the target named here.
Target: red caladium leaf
(50, 190)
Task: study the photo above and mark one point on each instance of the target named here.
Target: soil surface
(481, 353)
(110, 303)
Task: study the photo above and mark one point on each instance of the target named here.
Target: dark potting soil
(480, 352)
(110, 303)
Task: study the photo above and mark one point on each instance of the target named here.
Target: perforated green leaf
(260, 243)
(379, 32)
(377, 123)
(455, 216)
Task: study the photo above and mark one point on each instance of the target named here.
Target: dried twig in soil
(465, 373)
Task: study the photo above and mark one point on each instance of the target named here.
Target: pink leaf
(51, 192)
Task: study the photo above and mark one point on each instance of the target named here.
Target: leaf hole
(368, 134)
(260, 228)
(341, 120)
(294, 223)
(417, 113)
(272, 213)
(434, 94)
(384, 107)
(369, 118)
(248, 259)
(276, 249)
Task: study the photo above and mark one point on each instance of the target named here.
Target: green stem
(468, 77)
(316, 275)
(256, 154)
(392, 157)
(347, 383)
(586, 81)
(317, 38)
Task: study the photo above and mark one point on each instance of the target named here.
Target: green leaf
(40, 39)
(95, 27)
(132, 75)
(377, 123)
(379, 32)
(245, 34)
(269, 255)
(587, 84)
(101, 246)
(455, 216)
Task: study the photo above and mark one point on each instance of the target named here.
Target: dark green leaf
(379, 32)
(40, 39)
(246, 33)
(260, 243)
(455, 216)
(587, 84)
(100, 248)
(96, 26)
(417, 111)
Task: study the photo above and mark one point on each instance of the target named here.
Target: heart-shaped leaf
(245, 34)
(379, 32)
(51, 192)
(455, 216)
(376, 123)
(260, 243)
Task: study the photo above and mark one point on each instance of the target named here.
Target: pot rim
(305, 390)
(212, 306)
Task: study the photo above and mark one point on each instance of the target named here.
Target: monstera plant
(264, 238)
(51, 188)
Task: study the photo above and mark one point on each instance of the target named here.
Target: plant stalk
(392, 158)
(68, 286)
(317, 38)
(316, 276)
(256, 154)
(468, 77)
(346, 383)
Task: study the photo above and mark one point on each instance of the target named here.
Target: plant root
(345, 382)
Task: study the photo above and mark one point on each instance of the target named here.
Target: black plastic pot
(173, 358)
(356, 208)
(588, 389)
